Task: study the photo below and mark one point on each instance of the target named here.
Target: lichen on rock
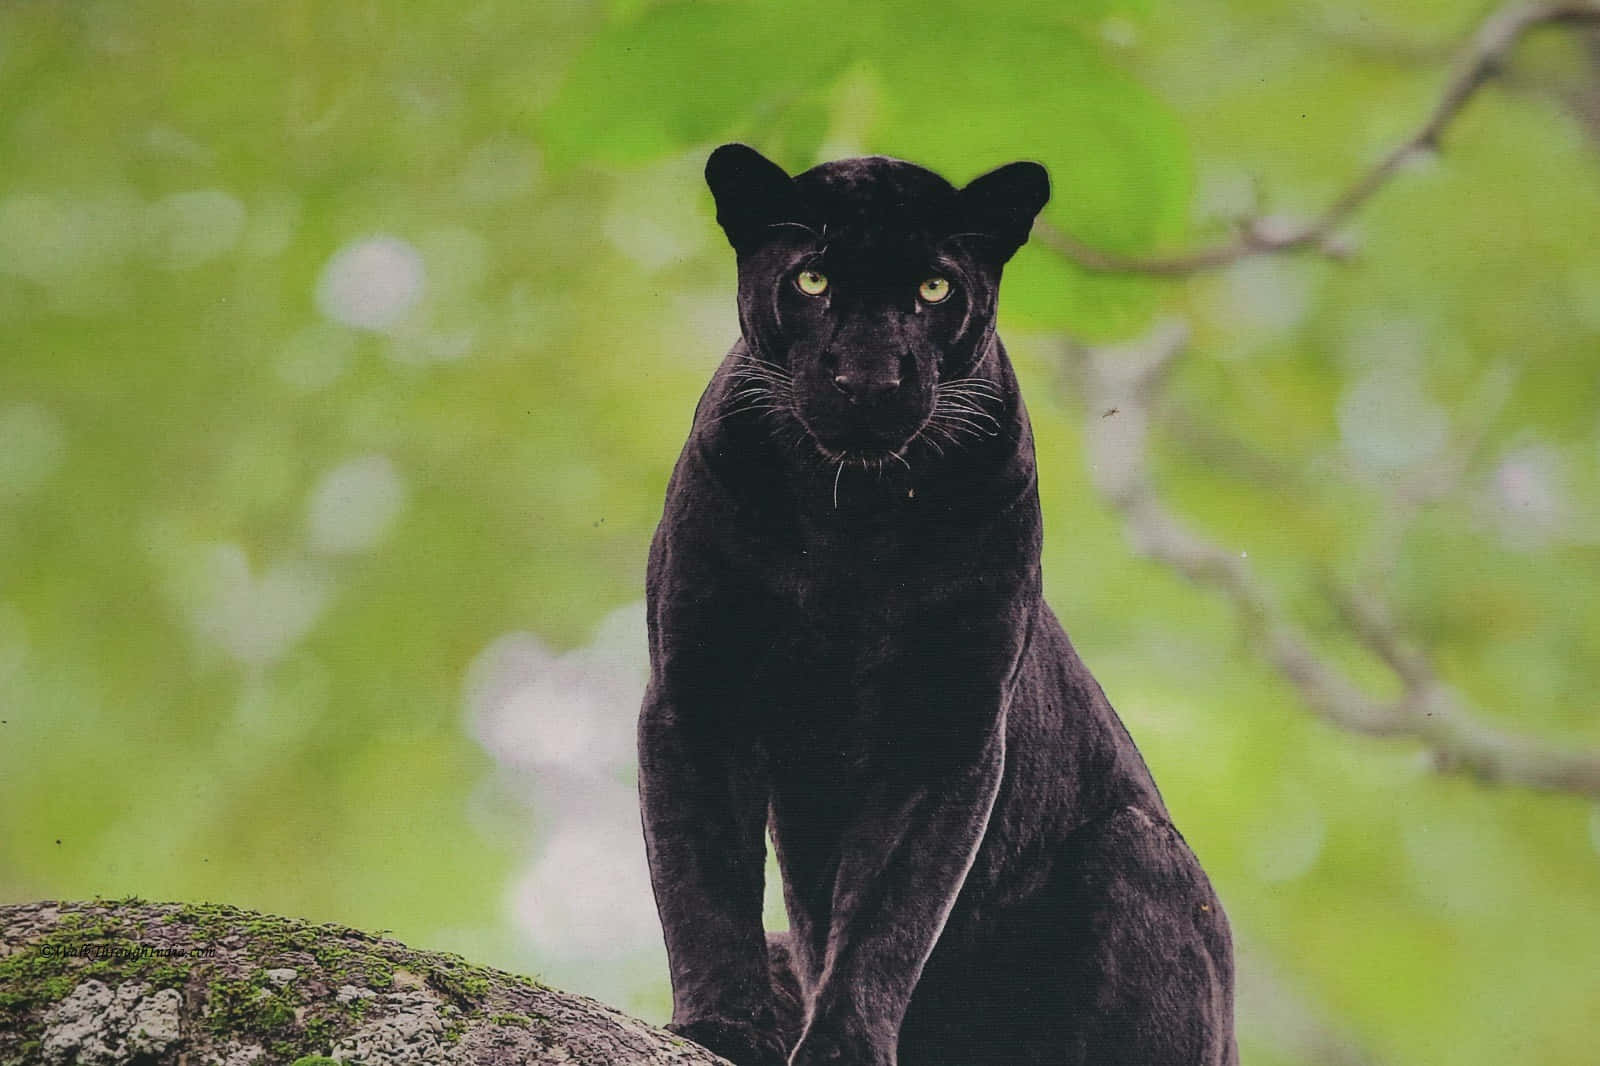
(100, 1026)
(410, 1030)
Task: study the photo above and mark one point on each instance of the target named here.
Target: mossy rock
(131, 983)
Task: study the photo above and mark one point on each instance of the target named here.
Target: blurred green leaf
(961, 93)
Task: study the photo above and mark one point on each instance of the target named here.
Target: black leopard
(850, 653)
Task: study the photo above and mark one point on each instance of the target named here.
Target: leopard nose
(863, 389)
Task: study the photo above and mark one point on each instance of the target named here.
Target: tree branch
(1125, 381)
(1480, 62)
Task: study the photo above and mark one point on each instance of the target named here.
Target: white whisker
(795, 225)
(965, 408)
(973, 385)
(958, 420)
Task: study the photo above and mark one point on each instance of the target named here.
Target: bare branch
(1480, 62)
(1128, 379)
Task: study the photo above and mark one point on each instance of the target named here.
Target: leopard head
(867, 291)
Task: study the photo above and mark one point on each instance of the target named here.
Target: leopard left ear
(1002, 204)
(752, 193)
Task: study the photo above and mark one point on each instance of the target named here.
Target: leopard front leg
(704, 801)
(903, 861)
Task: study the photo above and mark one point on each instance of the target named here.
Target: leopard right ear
(752, 193)
(1003, 203)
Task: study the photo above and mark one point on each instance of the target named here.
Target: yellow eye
(811, 282)
(934, 290)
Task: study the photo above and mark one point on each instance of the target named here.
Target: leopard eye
(811, 282)
(934, 290)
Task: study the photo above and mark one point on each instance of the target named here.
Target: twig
(1481, 61)
(1129, 378)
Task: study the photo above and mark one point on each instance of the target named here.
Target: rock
(98, 1026)
(130, 983)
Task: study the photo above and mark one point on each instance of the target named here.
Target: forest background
(345, 351)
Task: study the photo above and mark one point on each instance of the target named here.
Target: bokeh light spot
(536, 711)
(545, 724)
(254, 620)
(1529, 500)
(562, 729)
(1387, 422)
(372, 284)
(1271, 295)
(354, 504)
(587, 895)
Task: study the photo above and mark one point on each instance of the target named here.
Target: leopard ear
(1002, 204)
(752, 193)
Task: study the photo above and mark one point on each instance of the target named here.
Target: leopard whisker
(965, 395)
(943, 431)
(967, 429)
(750, 405)
(762, 366)
(744, 409)
(980, 384)
(967, 411)
(763, 372)
(761, 398)
(768, 381)
(751, 357)
(922, 434)
(797, 225)
(970, 403)
(959, 434)
(958, 420)
(965, 407)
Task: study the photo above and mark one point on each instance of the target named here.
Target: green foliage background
(178, 179)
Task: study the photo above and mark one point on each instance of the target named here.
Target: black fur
(849, 648)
